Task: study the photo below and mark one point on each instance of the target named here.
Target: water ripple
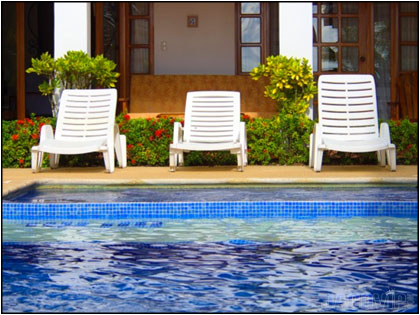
(210, 277)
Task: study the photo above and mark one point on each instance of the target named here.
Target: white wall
(206, 49)
(71, 27)
(295, 29)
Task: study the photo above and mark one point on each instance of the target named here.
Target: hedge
(282, 140)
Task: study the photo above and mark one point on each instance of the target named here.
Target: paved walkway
(13, 179)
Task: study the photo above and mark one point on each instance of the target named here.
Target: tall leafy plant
(75, 70)
(291, 82)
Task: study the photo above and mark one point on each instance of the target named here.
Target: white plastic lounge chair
(348, 120)
(85, 123)
(212, 123)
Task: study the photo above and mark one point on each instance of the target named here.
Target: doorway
(27, 32)
(378, 38)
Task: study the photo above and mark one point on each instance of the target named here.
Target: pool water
(199, 193)
(229, 264)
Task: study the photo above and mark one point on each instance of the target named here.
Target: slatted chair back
(347, 107)
(212, 117)
(86, 114)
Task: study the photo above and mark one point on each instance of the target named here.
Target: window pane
(329, 61)
(382, 27)
(110, 30)
(140, 31)
(139, 8)
(350, 30)
(350, 59)
(315, 58)
(409, 7)
(329, 30)
(409, 58)
(250, 58)
(314, 8)
(329, 8)
(315, 29)
(349, 8)
(409, 28)
(250, 30)
(140, 60)
(250, 8)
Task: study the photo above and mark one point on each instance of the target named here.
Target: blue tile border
(210, 210)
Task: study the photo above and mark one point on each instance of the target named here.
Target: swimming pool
(348, 253)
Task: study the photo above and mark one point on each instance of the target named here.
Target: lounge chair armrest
(46, 133)
(177, 132)
(384, 132)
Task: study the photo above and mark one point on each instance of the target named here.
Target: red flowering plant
(148, 139)
(18, 137)
(282, 139)
(405, 135)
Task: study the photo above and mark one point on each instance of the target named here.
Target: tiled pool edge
(205, 210)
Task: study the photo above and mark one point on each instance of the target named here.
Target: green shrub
(282, 139)
(147, 139)
(18, 137)
(75, 70)
(291, 82)
(404, 134)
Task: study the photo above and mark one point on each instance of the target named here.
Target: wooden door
(342, 42)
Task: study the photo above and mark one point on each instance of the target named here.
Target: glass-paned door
(141, 37)
(408, 34)
(250, 24)
(338, 39)
(110, 31)
(257, 34)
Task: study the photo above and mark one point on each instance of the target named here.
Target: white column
(295, 31)
(71, 27)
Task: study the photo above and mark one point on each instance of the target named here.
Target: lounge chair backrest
(347, 107)
(212, 117)
(86, 114)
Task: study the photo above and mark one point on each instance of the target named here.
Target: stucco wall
(295, 29)
(206, 49)
(71, 27)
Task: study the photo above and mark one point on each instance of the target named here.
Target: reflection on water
(231, 276)
(360, 264)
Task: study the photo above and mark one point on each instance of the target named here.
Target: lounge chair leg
(392, 159)
(34, 162)
(180, 158)
(54, 160)
(381, 157)
(240, 161)
(311, 161)
(109, 160)
(318, 154)
(172, 161)
(121, 150)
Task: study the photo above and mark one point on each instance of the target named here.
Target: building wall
(71, 27)
(295, 29)
(206, 49)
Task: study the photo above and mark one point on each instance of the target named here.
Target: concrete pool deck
(13, 179)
